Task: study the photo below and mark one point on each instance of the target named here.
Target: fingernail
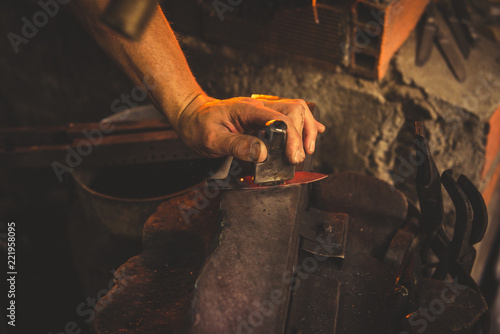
(311, 147)
(296, 159)
(255, 151)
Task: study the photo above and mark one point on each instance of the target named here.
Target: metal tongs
(455, 254)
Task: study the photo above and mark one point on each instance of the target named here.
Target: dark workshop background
(61, 76)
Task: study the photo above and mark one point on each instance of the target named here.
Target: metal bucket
(121, 198)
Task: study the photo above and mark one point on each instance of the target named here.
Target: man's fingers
(296, 152)
(310, 134)
(242, 147)
(321, 128)
(294, 112)
(259, 115)
(294, 109)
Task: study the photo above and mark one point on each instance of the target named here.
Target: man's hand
(216, 128)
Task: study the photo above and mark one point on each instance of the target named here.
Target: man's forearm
(222, 126)
(155, 59)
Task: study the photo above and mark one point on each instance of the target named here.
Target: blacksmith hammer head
(276, 169)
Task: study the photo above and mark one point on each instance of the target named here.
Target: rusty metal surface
(257, 247)
(480, 212)
(380, 280)
(315, 299)
(363, 277)
(345, 192)
(315, 307)
(355, 261)
(154, 289)
(462, 226)
(370, 282)
(325, 226)
(459, 315)
(399, 247)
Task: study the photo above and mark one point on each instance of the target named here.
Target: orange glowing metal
(300, 178)
(265, 97)
(272, 121)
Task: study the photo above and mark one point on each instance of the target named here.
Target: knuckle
(302, 103)
(297, 109)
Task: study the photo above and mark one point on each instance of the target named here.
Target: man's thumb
(243, 147)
